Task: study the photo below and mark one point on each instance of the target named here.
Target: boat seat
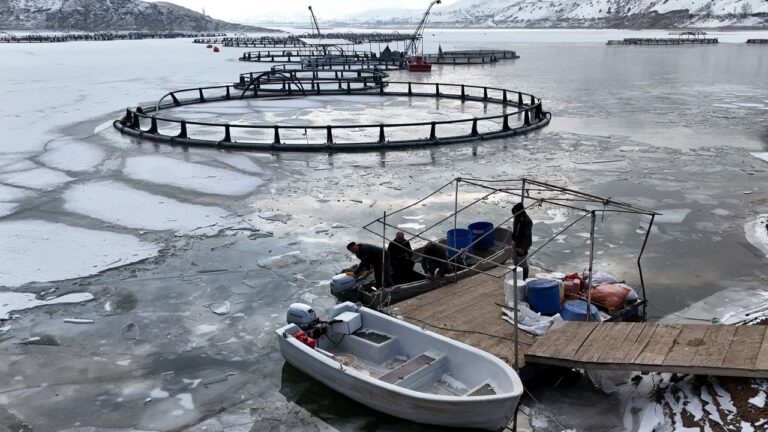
(409, 368)
(483, 390)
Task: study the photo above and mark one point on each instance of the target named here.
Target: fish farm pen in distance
(98, 36)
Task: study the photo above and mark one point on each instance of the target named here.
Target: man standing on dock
(371, 256)
(522, 234)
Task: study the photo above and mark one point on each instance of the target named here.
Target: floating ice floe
(411, 225)
(39, 178)
(70, 155)
(221, 308)
(16, 302)
(757, 233)
(186, 175)
(7, 208)
(761, 155)
(282, 260)
(241, 162)
(38, 251)
(672, 216)
(137, 209)
(10, 193)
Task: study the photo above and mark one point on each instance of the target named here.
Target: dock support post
(227, 135)
(593, 216)
(329, 135)
(505, 126)
(455, 223)
(410, 92)
(504, 99)
(175, 100)
(432, 132)
(277, 136)
(382, 137)
(463, 94)
(527, 120)
(519, 99)
(474, 128)
(485, 93)
(640, 267)
(228, 96)
(200, 91)
(437, 89)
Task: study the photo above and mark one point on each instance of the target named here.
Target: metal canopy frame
(531, 193)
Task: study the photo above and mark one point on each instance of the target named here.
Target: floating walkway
(718, 350)
(757, 41)
(470, 57)
(664, 41)
(468, 311)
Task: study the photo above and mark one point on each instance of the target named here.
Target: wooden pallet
(718, 350)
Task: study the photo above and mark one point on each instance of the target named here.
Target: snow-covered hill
(103, 15)
(589, 13)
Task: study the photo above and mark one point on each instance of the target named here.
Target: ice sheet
(10, 193)
(16, 302)
(70, 155)
(761, 155)
(7, 208)
(186, 175)
(39, 178)
(757, 233)
(137, 209)
(38, 251)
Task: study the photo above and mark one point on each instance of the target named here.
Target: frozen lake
(149, 240)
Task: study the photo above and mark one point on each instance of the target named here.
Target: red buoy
(215, 49)
(209, 46)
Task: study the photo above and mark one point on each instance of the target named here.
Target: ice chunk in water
(186, 175)
(757, 233)
(13, 301)
(72, 155)
(672, 216)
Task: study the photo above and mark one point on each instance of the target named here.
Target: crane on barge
(415, 48)
(316, 27)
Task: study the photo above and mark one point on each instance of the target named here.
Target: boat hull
(469, 413)
(407, 399)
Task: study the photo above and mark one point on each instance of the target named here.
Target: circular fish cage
(516, 113)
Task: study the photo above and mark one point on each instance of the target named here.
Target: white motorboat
(400, 369)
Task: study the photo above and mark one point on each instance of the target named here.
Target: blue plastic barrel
(459, 238)
(576, 310)
(478, 230)
(544, 296)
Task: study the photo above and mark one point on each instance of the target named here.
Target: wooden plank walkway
(718, 350)
(468, 311)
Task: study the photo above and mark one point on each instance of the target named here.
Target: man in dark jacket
(371, 256)
(522, 234)
(400, 253)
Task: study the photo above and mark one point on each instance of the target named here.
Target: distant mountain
(583, 13)
(108, 15)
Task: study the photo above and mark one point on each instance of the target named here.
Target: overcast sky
(232, 9)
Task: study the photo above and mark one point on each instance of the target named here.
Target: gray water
(667, 119)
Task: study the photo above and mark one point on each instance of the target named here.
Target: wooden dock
(468, 311)
(718, 350)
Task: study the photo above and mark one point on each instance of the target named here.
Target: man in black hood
(371, 256)
(522, 234)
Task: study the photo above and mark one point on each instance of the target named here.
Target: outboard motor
(345, 288)
(303, 316)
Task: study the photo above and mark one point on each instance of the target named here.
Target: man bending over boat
(370, 256)
(522, 234)
(401, 254)
(433, 261)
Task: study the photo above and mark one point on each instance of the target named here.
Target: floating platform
(757, 41)
(468, 311)
(664, 41)
(718, 350)
(468, 57)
